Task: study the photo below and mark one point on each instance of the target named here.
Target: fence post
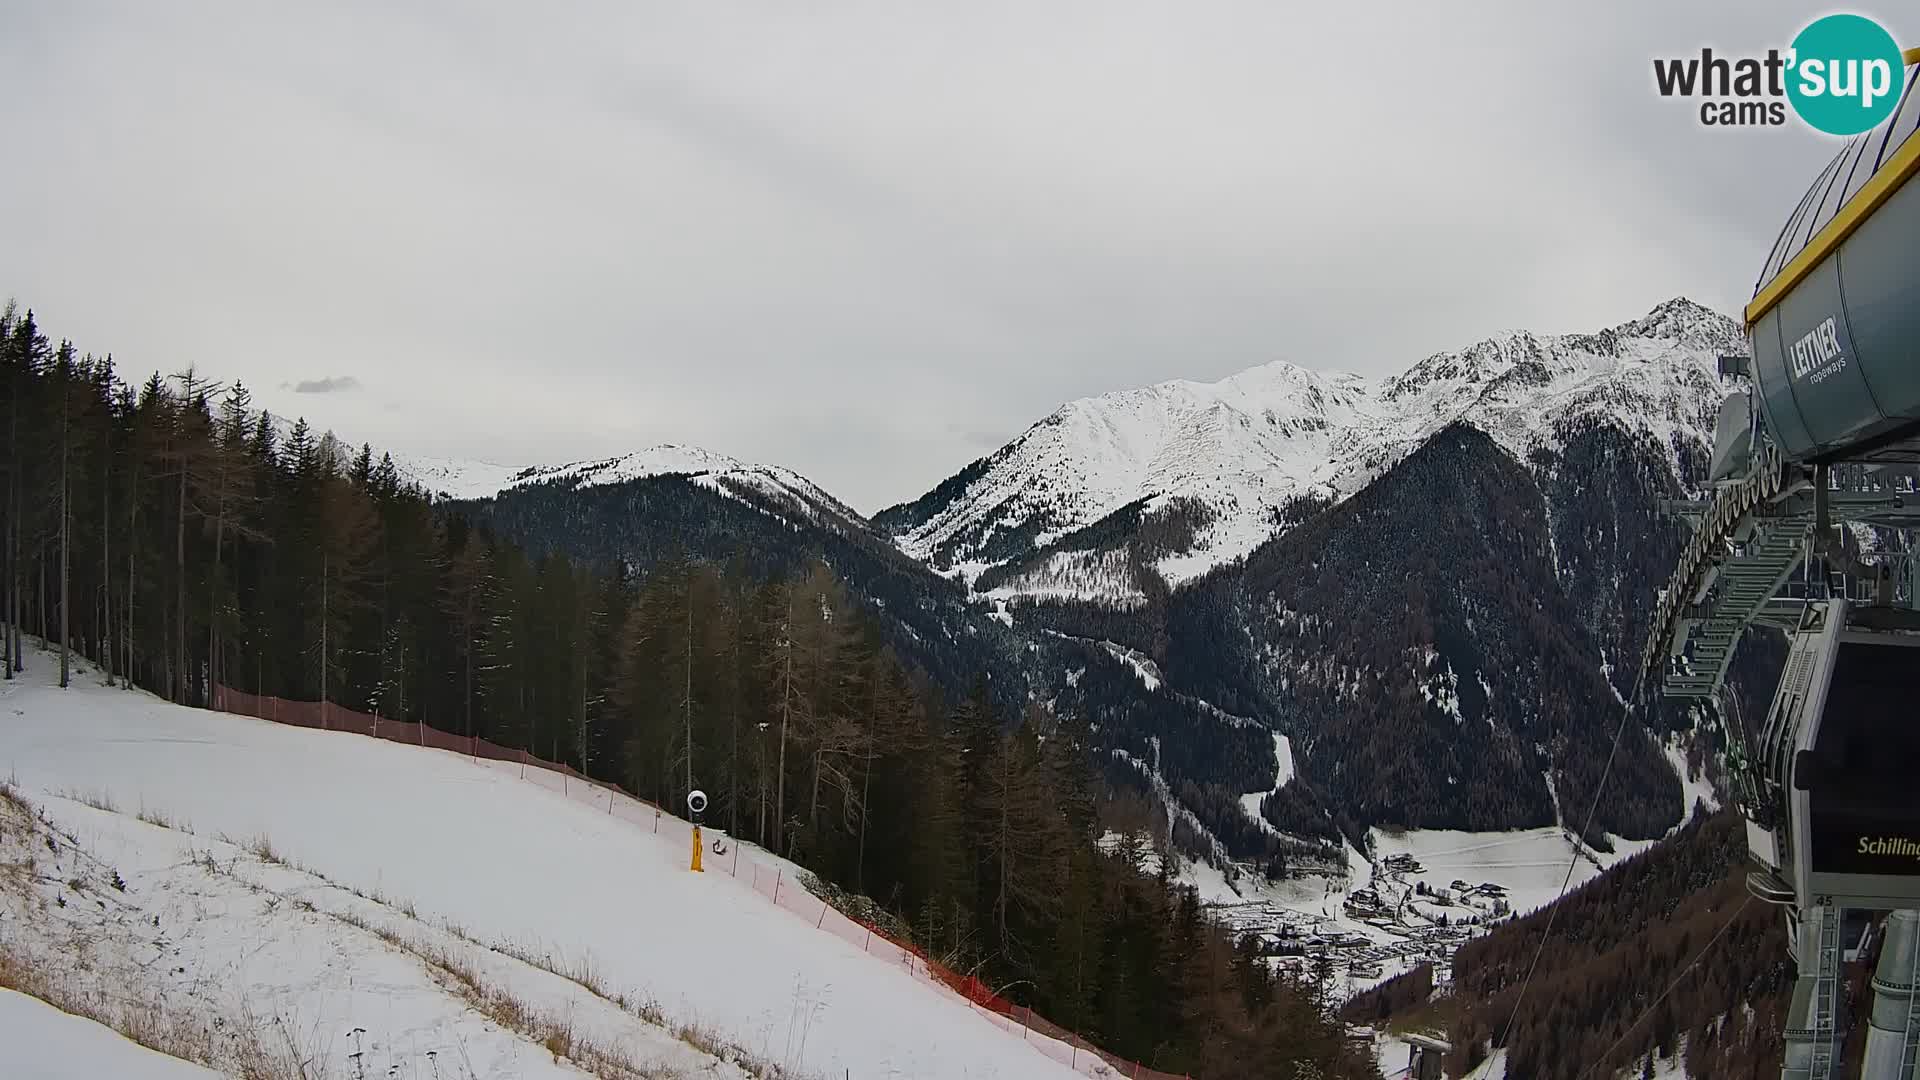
(776, 884)
(822, 920)
(736, 857)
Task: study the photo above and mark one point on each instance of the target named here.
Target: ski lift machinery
(1823, 438)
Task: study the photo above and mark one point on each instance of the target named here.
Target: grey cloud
(867, 241)
(332, 384)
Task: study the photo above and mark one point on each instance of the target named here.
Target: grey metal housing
(1849, 388)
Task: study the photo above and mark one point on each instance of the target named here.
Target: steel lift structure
(1813, 528)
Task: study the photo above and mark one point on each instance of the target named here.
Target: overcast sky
(869, 241)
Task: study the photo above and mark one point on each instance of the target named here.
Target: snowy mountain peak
(455, 479)
(666, 459)
(1687, 323)
(1230, 457)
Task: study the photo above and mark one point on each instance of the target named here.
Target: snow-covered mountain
(782, 487)
(1217, 466)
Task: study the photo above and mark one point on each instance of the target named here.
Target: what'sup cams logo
(1842, 75)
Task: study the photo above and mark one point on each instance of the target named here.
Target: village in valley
(1352, 931)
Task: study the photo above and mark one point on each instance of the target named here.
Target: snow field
(1283, 764)
(1694, 788)
(547, 867)
(1529, 864)
(181, 933)
(42, 1043)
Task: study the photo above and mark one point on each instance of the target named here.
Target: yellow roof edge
(1911, 56)
(1888, 180)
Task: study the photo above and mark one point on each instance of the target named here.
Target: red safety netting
(772, 879)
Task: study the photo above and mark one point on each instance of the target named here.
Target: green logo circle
(1845, 74)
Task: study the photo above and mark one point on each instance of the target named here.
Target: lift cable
(1671, 987)
(1553, 909)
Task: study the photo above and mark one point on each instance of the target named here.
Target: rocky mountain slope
(1423, 648)
(1182, 477)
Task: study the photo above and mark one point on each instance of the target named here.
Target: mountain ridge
(1214, 468)
(1232, 456)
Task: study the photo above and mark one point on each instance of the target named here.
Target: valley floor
(1525, 869)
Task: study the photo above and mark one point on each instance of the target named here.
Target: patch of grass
(262, 848)
(161, 819)
(99, 800)
(145, 1013)
(233, 1048)
(10, 794)
(581, 972)
(557, 1034)
(459, 975)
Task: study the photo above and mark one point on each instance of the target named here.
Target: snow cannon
(696, 805)
(1835, 318)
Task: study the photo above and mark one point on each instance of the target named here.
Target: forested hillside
(1206, 759)
(1594, 1006)
(170, 534)
(655, 520)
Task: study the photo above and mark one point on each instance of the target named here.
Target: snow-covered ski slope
(39, 1042)
(228, 955)
(511, 862)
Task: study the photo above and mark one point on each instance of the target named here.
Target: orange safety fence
(771, 881)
